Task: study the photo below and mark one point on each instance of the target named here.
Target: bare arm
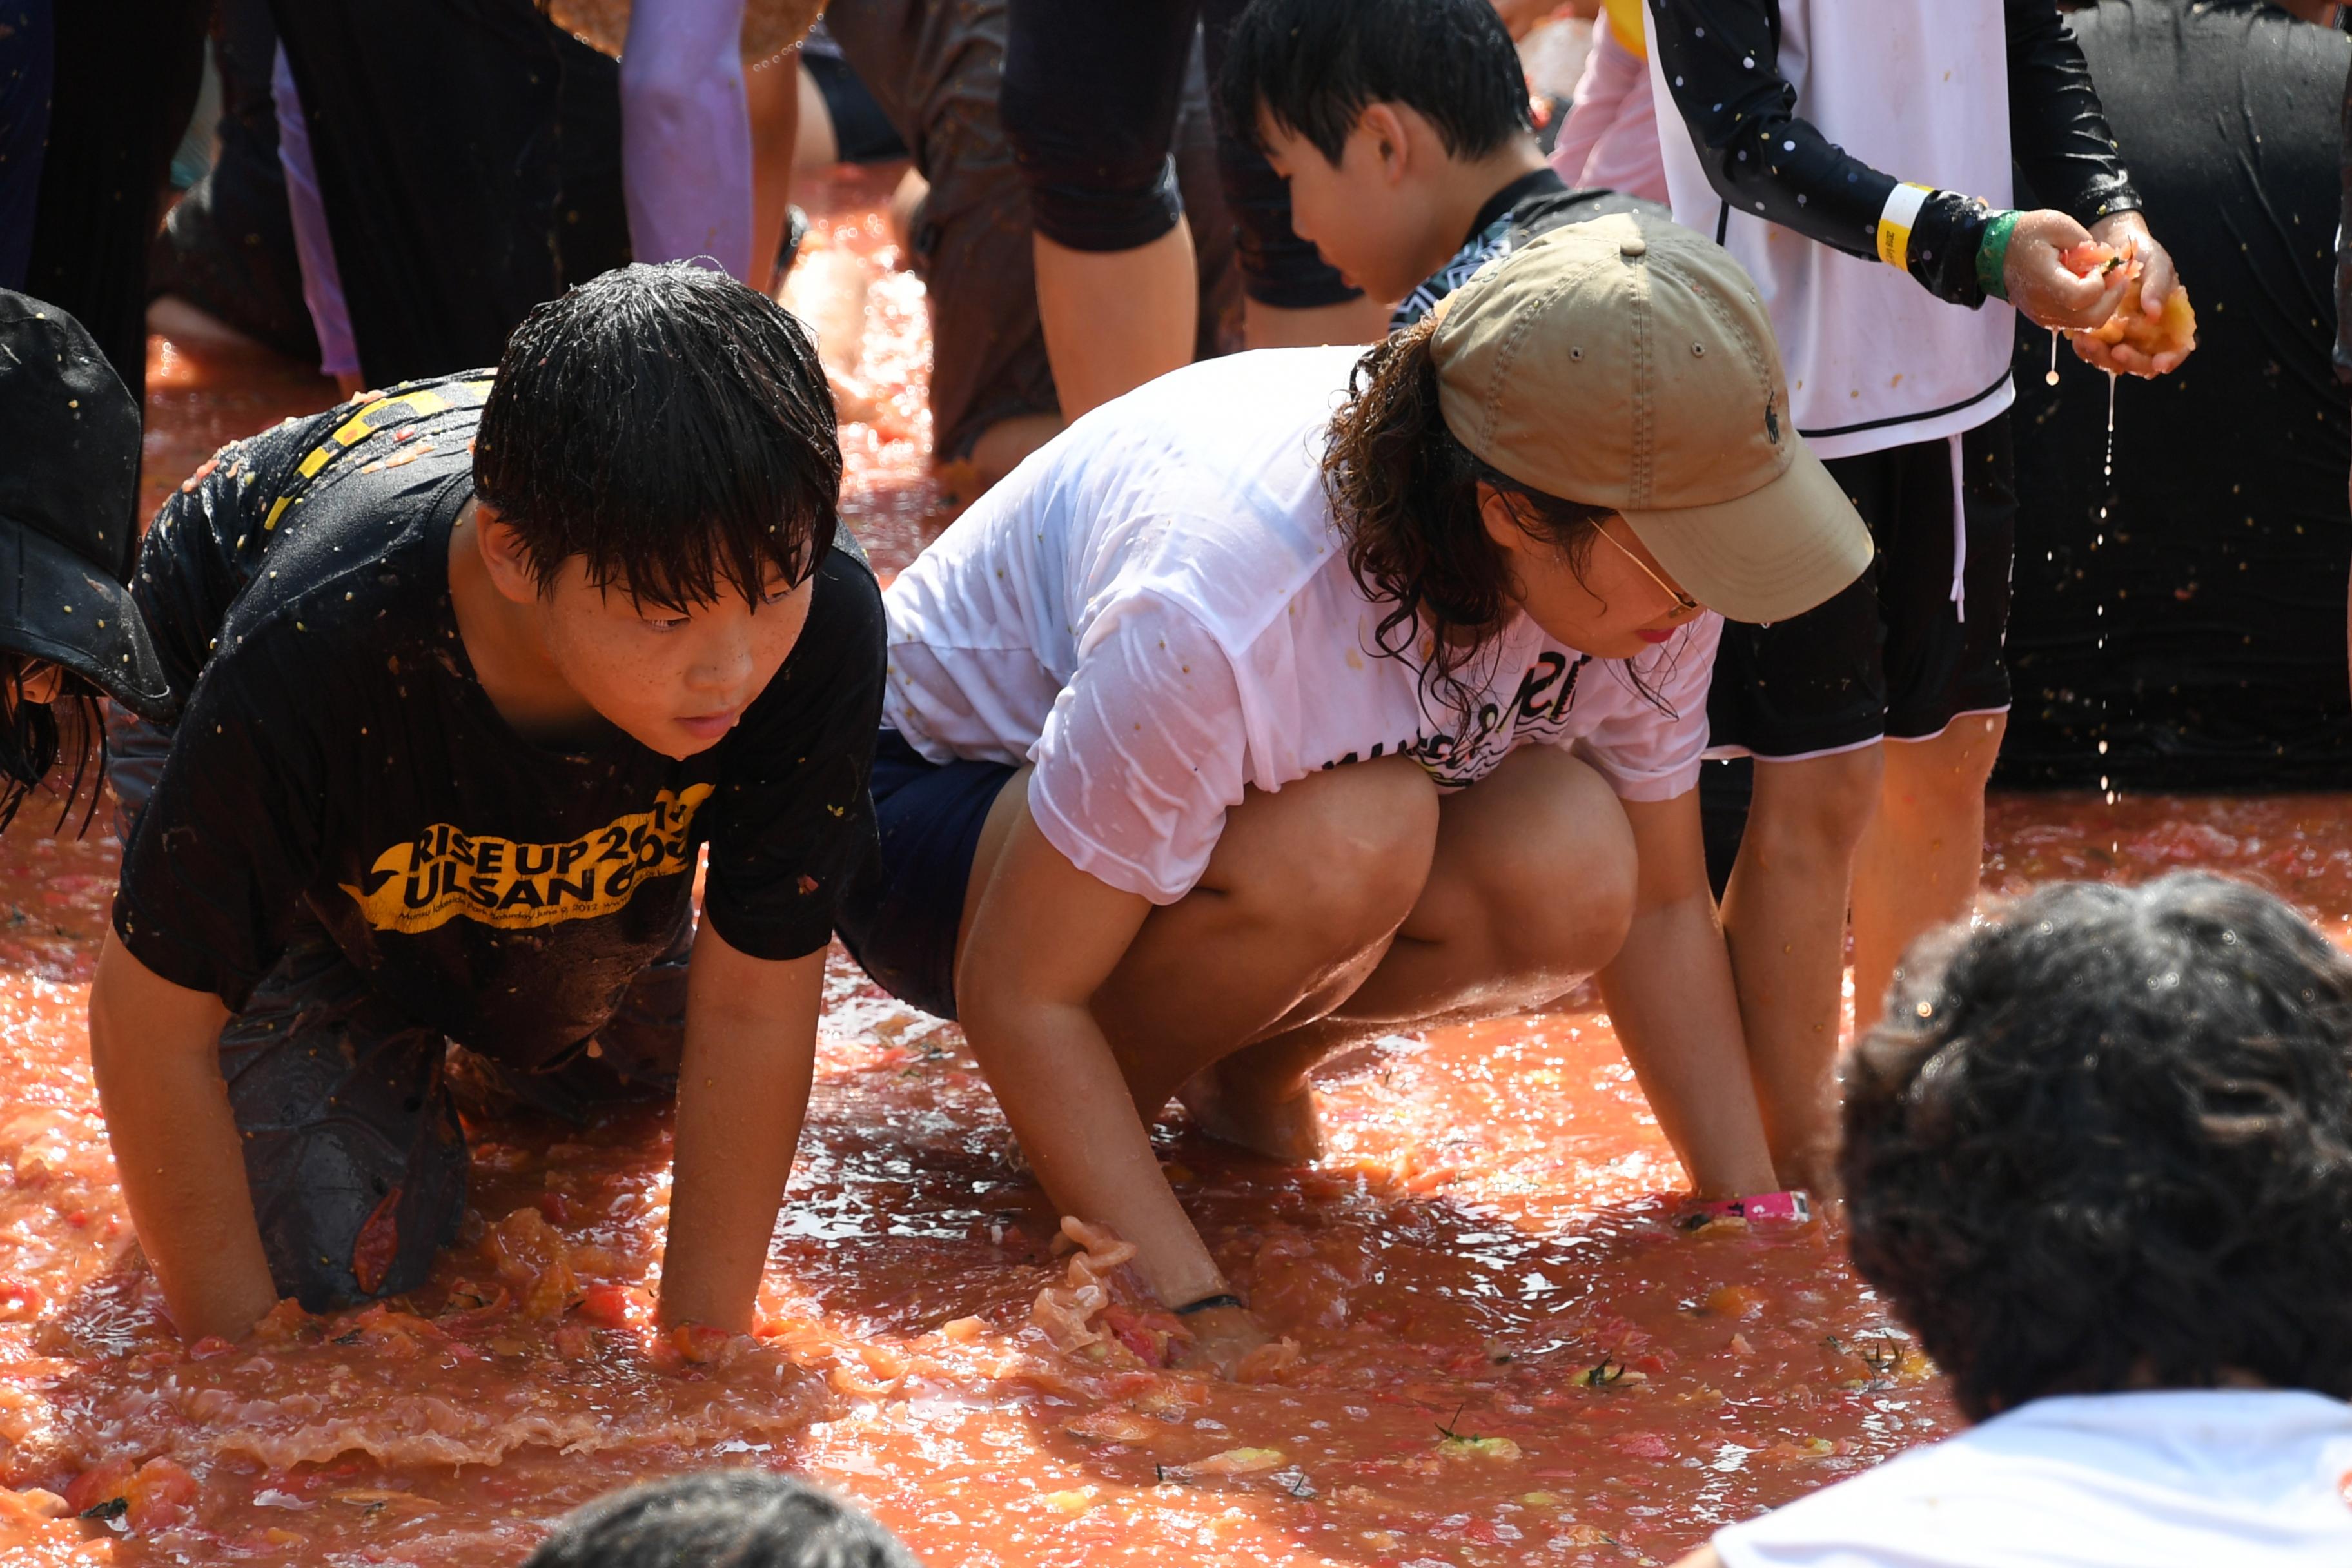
(154, 1049)
(686, 136)
(1670, 994)
(1704, 1557)
(742, 1090)
(1044, 938)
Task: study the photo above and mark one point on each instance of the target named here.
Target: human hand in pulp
(2047, 290)
(1222, 1338)
(2153, 328)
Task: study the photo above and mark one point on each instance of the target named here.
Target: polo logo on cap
(1771, 421)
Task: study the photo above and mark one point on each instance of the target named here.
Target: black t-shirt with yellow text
(336, 759)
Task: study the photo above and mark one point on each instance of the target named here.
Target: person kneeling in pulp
(473, 672)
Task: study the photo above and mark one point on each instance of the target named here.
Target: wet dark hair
(2105, 1139)
(1314, 65)
(1404, 493)
(36, 737)
(670, 424)
(725, 1519)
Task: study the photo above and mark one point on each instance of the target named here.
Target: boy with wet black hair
(474, 670)
(1404, 130)
(2098, 1156)
(744, 1519)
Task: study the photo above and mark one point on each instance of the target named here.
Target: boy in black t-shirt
(472, 672)
(1404, 132)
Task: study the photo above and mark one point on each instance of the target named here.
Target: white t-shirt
(1156, 610)
(2176, 1479)
(1917, 90)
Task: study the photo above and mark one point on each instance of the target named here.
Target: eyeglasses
(1681, 601)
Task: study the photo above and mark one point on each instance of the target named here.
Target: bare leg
(1350, 903)
(1530, 893)
(1530, 890)
(1784, 916)
(815, 146)
(1115, 319)
(1304, 892)
(906, 198)
(1359, 320)
(1003, 445)
(1922, 857)
(773, 91)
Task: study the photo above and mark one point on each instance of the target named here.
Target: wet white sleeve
(1650, 749)
(1143, 752)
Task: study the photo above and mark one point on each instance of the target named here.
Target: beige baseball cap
(1628, 363)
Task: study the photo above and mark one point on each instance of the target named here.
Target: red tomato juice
(1506, 1352)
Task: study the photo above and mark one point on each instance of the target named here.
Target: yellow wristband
(1894, 221)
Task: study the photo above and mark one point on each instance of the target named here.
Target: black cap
(68, 508)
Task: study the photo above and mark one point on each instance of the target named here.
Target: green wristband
(1992, 255)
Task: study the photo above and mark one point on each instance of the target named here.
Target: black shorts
(862, 133)
(898, 918)
(354, 1153)
(970, 238)
(1089, 103)
(1895, 655)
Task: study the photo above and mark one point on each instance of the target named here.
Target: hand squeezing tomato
(2109, 288)
(2154, 327)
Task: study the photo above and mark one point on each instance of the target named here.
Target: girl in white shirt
(1290, 701)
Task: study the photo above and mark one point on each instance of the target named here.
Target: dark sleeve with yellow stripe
(1721, 62)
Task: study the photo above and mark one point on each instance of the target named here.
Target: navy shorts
(898, 918)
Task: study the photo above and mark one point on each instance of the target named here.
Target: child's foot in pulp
(1229, 1106)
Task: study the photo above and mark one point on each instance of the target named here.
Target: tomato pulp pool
(1506, 1352)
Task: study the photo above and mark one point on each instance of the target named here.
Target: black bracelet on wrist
(1209, 1303)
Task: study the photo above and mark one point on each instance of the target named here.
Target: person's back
(2169, 1478)
(2179, 623)
(1189, 522)
(2099, 1159)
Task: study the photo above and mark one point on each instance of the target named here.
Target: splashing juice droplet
(2109, 471)
(2053, 377)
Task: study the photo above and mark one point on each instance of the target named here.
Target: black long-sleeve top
(1720, 62)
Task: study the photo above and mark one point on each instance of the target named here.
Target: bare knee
(1815, 811)
(1342, 857)
(1558, 885)
(1946, 773)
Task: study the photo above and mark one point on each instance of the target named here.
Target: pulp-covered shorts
(899, 918)
(1916, 642)
(347, 1107)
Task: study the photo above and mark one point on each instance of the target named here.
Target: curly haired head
(1407, 496)
(2104, 1140)
(720, 1519)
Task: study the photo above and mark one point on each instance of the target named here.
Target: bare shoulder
(1703, 1557)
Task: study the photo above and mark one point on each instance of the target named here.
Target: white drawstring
(1960, 534)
